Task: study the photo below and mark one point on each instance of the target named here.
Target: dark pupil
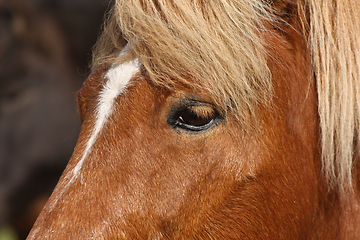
(190, 117)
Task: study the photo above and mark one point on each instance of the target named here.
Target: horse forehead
(116, 81)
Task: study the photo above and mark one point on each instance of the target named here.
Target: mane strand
(335, 44)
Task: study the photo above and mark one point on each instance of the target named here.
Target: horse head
(202, 121)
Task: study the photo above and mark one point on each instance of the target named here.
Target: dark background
(45, 51)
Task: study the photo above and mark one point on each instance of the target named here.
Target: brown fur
(147, 180)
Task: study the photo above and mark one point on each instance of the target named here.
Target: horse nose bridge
(78, 201)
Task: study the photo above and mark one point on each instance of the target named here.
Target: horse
(216, 119)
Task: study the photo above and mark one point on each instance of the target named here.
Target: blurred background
(45, 51)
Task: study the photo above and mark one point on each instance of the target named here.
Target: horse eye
(196, 118)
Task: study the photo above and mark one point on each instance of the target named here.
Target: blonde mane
(335, 44)
(177, 39)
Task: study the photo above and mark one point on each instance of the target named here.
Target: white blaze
(117, 79)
